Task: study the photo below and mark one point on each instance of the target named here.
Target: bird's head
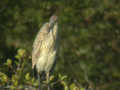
(52, 21)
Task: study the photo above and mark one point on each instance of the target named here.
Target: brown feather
(42, 34)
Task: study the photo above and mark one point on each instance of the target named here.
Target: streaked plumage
(45, 46)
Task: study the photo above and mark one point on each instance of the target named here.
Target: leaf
(73, 87)
(20, 53)
(9, 62)
(52, 77)
(65, 85)
(27, 76)
(3, 77)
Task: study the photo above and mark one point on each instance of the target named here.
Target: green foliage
(22, 77)
(3, 78)
(89, 43)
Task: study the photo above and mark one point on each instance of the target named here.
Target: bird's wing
(41, 36)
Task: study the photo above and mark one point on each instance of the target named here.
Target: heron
(45, 48)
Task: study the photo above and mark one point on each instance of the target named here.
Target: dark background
(89, 53)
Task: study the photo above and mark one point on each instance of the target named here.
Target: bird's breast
(49, 43)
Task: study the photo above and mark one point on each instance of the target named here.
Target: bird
(45, 48)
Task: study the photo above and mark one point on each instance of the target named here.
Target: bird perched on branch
(45, 48)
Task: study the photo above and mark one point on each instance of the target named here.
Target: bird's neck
(55, 29)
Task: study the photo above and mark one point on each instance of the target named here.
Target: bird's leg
(47, 77)
(39, 81)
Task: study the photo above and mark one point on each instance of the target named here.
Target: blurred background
(89, 50)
